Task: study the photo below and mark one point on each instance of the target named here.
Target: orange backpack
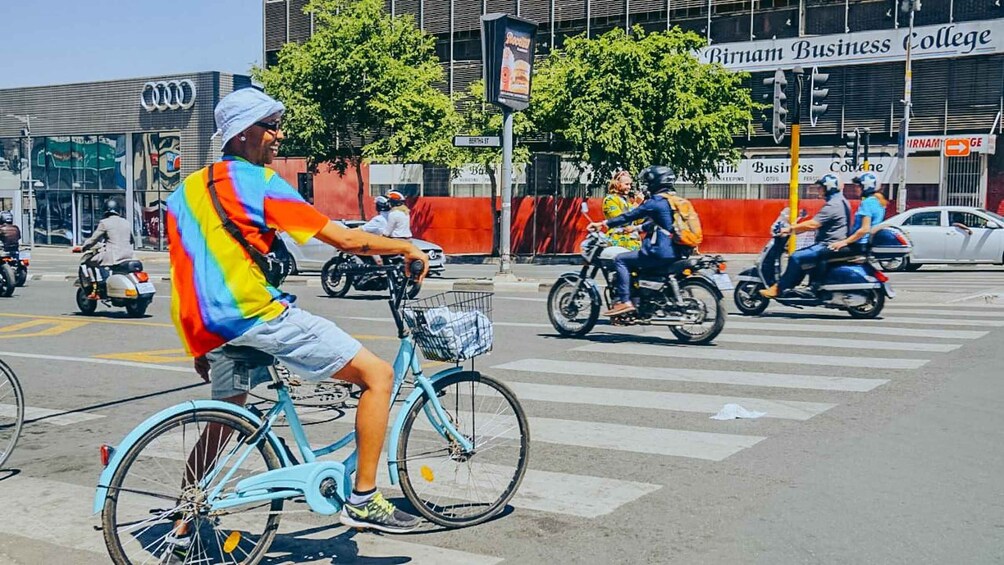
(686, 222)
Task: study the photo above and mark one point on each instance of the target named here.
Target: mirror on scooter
(585, 208)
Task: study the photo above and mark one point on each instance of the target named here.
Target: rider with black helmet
(657, 246)
(10, 234)
(116, 233)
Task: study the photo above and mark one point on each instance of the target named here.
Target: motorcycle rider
(116, 233)
(831, 226)
(657, 246)
(10, 234)
(870, 213)
(399, 218)
(378, 224)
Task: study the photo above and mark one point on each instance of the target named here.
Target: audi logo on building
(167, 95)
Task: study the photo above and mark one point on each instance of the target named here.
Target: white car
(949, 234)
(312, 255)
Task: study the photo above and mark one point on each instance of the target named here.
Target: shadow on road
(9, 474)
(111, 403)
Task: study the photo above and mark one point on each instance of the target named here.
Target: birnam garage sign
(929, 42)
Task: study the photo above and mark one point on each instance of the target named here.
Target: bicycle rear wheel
(11, 411)
(448, 485)
(157, 487)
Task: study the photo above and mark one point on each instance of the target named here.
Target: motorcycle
(13, 270)
(685, 295)
(847, 281)
(125, 284)
(345, 271)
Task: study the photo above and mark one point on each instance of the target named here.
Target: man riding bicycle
(220, 295)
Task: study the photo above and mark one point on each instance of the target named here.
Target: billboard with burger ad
(508, 45)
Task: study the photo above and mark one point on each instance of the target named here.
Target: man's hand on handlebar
(414, 254)
(594, 226)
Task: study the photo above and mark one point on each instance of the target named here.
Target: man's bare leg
(376, 377)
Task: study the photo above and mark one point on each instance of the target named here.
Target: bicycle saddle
(248, 355)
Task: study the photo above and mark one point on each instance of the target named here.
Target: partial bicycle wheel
(161, 490)
(451, 486)
(11, 411)
(334, 281)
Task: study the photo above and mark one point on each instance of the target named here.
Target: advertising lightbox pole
(507, 48)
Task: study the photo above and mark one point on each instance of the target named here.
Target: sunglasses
(270, 126)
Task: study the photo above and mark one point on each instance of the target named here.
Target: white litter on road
(736, 412)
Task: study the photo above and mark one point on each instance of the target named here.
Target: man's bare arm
(359, 242)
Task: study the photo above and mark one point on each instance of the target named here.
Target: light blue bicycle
(458, 449)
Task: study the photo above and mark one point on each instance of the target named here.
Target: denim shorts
(311, 347)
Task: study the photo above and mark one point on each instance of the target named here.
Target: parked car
(949, 234)
(312, 255)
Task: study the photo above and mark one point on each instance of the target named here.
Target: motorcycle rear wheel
(334, 282)
(21, 276)
(137, 308)
(710, 304)
(563, 307)
(870, 310)
(748, 300)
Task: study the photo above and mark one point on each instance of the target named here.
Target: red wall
(541, 225)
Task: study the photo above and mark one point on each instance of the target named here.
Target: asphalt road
(881, 442)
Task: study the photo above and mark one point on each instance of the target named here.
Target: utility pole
(913, 6)
(26, 157)
(796, 127)
(505, 264)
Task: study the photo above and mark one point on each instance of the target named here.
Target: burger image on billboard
(515, 75)
(521, 78)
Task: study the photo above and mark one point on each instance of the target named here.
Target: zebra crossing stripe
(838, 343)
(48, 416)
(718, 354)
(579, 368)
(933, 307)
(837, 328)
(950, 313)
(892, 318)
(58, 513)
(672, 401)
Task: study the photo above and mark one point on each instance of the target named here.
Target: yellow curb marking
(90, 320)
(155, 356)
(56, 327)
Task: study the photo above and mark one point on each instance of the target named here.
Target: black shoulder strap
(229, 225)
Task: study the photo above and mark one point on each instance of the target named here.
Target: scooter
(123, 285)
(13, 270)
(848, 281)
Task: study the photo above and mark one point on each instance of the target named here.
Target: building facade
(130, 140)
(958, 86)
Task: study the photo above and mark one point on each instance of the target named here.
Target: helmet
(868, 183)
(112, 208)
(6, 217)
(658, 178)
(382, 204)
(830, 184)
(395, 198)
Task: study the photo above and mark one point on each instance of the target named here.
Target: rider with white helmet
(831, 227)
(870, 213)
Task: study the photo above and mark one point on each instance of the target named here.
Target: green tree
(361, 88)
(632, 100)
(477, 117)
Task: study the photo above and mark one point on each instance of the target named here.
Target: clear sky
(66, 41)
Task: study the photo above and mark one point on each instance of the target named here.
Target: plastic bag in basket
(454, 335)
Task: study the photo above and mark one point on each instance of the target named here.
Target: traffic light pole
(796, 118)
(907, 109)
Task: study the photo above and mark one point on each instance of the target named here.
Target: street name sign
(477, 141)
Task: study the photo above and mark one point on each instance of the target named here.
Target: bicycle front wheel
(158, 503)
(11, 411)
(451, 486)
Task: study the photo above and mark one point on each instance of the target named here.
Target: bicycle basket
(451, 326)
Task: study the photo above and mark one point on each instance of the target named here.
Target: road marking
(674, 401)
(577, 368)
(950, 313)
(837, 328)
(49, 416)
(95, 361)
(494, 323)
(89, 320)
(952, 305)
(837, 343)
(519, 298)
(52, 328)
(40, 503)
(892, 319)
(719, 354)
(155, 356)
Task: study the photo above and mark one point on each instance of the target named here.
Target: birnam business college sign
(928, 42)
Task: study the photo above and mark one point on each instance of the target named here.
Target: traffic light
(853, 143)
(816, 95)
(779, 120)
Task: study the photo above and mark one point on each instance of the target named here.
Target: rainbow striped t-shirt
(217, 291)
